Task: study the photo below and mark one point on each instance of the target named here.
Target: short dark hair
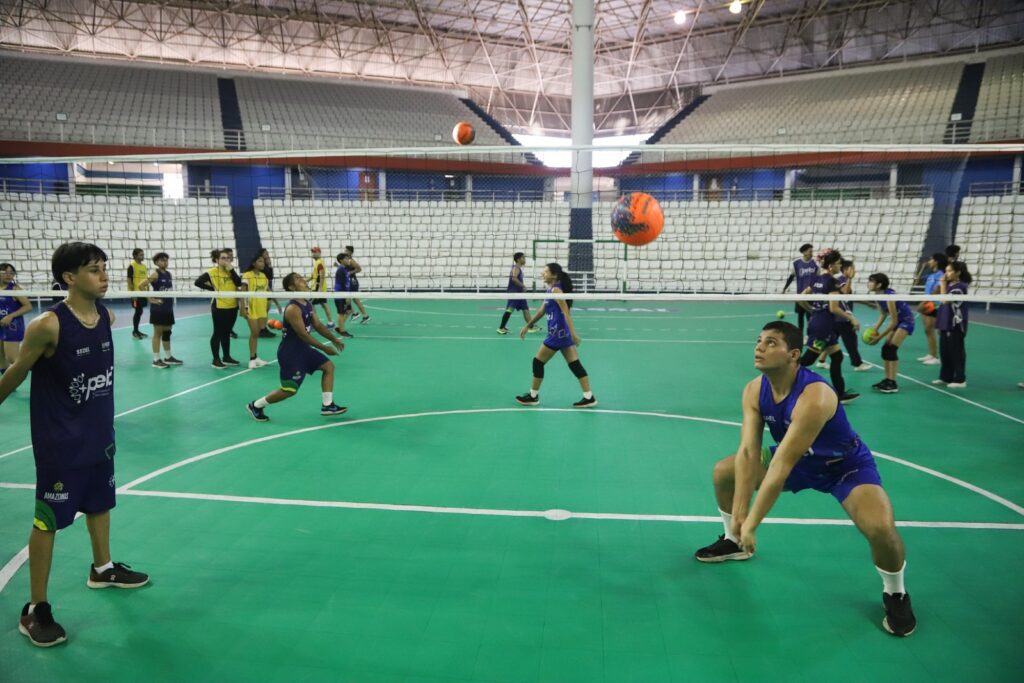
(941, 260)
(845, 263)
(518, 255)
(881, 278)
(159, 255)
(288, 280)
(952, 251)
(350, 249)
(71, 256)
(805, 247)
(831, 257)
(961, 270)
(136, 251)
(790, 333)
(5, 266)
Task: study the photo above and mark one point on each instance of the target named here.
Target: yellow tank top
(256, 282)
(222, 282)
(318, 267)
(140, 273)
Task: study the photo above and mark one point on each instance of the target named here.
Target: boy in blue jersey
(516, 285)
(70, 351)
(13, 309)
(298, 356)
(815, 448)
(928, 309)
(343, 283)
(822, 331)
(900, 326)
(801, 270)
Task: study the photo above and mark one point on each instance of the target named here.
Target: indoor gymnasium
(655, 341)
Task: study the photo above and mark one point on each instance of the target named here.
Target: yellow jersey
(318, 280)
(256, 282)
(139, 274)
(223, 282)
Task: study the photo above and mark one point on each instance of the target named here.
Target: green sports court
(439, 532)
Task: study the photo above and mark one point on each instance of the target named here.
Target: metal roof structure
(513, 57)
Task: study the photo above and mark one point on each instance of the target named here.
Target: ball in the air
(637, 219)
(780, 314)
(463, 133)
(869, 335)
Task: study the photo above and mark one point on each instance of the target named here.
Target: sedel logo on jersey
(82, 388)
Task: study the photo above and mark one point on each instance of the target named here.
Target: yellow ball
(780, 314)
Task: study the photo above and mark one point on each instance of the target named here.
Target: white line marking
(961, 398)
(586, 340)
(585, 314)
(12, 567)
(999, 327)
(10, 485)
(959, 482)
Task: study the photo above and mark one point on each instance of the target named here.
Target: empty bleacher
(1000, 111)
(990, 232)
(33, 225)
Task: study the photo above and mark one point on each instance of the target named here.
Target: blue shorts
(821, 331)
(837, 476)
(63, 492)
(558, 341)
(907, 325)
(517, 305)
(296, 362)
(15, 332)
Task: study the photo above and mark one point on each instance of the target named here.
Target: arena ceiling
(514, 56)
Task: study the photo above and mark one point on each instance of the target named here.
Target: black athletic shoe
(171, 360)
(722, 550)
(160, 364)
(267, 334)
(890, 387)
(256, 413)
(232, 334)
(40, 627)
(230, 361)
(365, 320)
(333, 410)
(118, 576)
(849, 397)
(527, 400)
(218, 364)
(347, 335)
(899, 616)
(139, 335)
(585, 402)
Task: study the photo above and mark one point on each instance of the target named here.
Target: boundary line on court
(939, 389)
(639, 315)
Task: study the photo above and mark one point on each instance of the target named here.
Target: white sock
(588, 394)
(892, 582)
(108, 565)
(156, 356)
(328, 398)
(31, 607)
(260, 403)
(534, 393)
(727, 521)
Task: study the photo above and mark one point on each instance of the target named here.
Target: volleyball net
(447, 221)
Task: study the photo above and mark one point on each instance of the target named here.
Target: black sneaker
(40, 627)
(333, 410)
(160, 364)
(256, 413)
(528, 400)
(721, 550)
(849, 397)
(230, 361)
(365, 320)
(139, 335)
(890, 387)
(346, 335)
(218, 364)
(899, 616)
(267, 334)
(585, 402)
(171, 360)
(233, 334)
(118, 576)
(878, 386)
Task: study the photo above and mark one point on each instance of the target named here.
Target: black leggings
(953, 356)
(849, 337)
(223, 320)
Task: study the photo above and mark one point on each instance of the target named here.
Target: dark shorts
(162, 318)
(296, 362)
(906, 325)
(517, 305)
(837, 476)
(319, 301)
(15, 332)
(342, 306)
(558, 341)
(821, 331)
(355, 285)
(139, 303)
(61, 493)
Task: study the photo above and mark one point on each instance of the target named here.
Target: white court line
(153, 403)
(10, 485)
(540, 337)
(998, 327)
(645, 315)
(960, 398)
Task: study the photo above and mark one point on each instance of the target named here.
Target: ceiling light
(680, 17)
(736, 6)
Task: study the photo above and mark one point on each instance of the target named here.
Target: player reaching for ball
(816, 448)
(900, 326)
(298, 356)
(561, 337)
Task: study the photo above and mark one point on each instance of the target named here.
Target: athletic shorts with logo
(63, 492)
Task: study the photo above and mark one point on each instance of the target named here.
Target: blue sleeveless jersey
(837, 438)
(903, 312)
(822, 284)
(558, 327)
(805, 270)
(8, 305)
(71, 404)
(512, 286)
(847, 306)
(289, 337)
(163, 283)
(342, 280)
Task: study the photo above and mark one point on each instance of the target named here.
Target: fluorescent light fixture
(736, 6)
(679, 17)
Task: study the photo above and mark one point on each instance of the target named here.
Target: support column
(581, 254)
(382, 185)
(469, 187)
(696, 187)
(1016, 175)
(893, 177)
(788, 182)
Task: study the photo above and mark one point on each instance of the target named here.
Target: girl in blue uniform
(12, 317)
(900, 326)
(161, 312)
(298, 354)
(561, 337)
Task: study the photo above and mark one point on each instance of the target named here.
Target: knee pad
(577, 369)
(166, 336)
(810, 355)
(538, 368)
(837, 357)
(890, 352)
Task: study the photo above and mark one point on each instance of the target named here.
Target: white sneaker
(932, 361)
(1020, 384)
(863, 367)
(925, 358)
(957, 385)
(257, 363)
(938, 382)
(821, 364)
